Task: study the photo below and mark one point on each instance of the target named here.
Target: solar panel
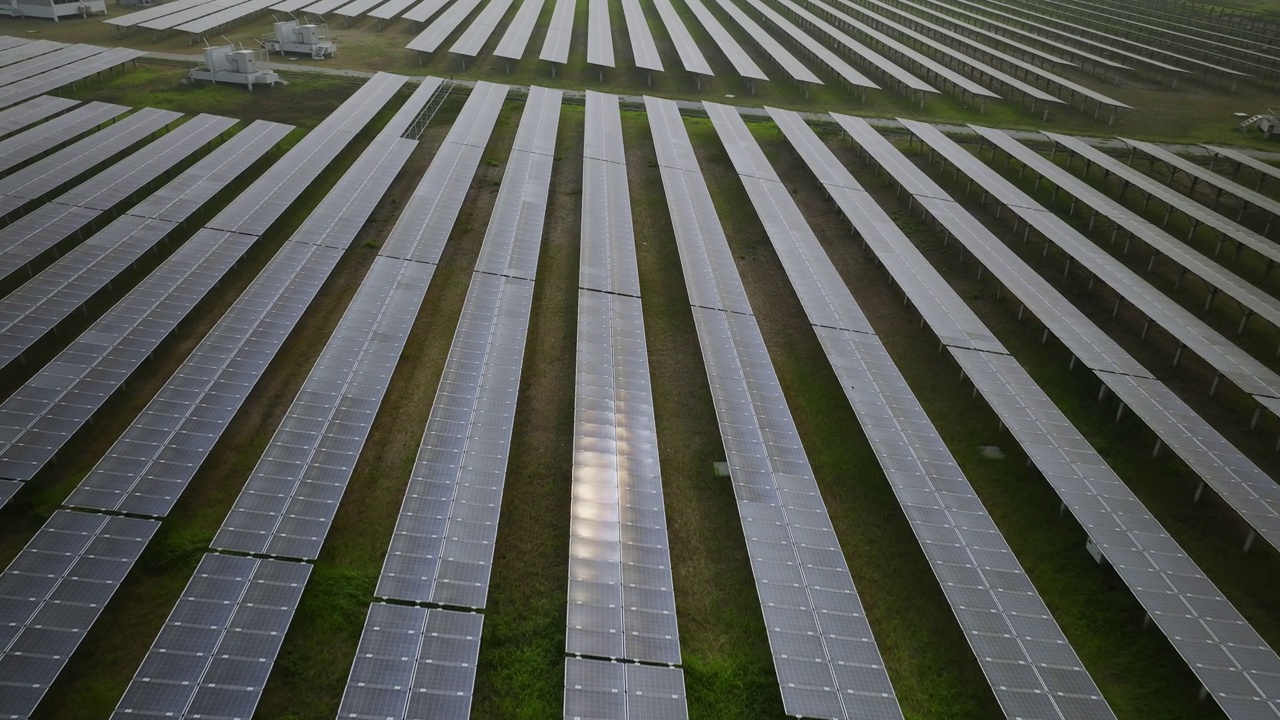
(1172, 199)
(24, 50)
(854, 46)
(145, 475)
(32, 234)
(60, 168)
(188, 14)
(225, 16)
(471, 41)
(215, 651)
(1031, 667)
(621, 598)
(35, 308)
(413, 662)
(1213, 274)
(775, 50)
(443, 26)
(601, 689)
(516, 38)
(599, 36)
(29, 144)
(67, 74)
(32, 111)
(741, 61)
(151, 13)
(810, 45)
(931, 67)
(1201, 174)
(442, 548)
(358, 8)
(35, 66)
(824, 654)
(81, 378)
(1177, 595)
(1233, 363)
(425, 9)
(555, 46)
(51, 594)
(292, 495)
(1241, 159)
(643, 49)
(116, 183)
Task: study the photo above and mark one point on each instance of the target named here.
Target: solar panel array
(602, 689)
(32, 111)
(780, 55)
(1250, 375)
(1239, 158)
(516, 38)
(599, 34)
(738, 57)
(30, 144)
(1030, 665)
(481, 28)
(928, 65)
(216, 649)
(52, 593)
(29, 236)
(413, 662)
(686, 47)
(443, 26)
(1230, 659)
(1200, 174)
(442, 548)
(1251, 299)
(40, 416)
(1173, 201)
(807, 42)
(57, 77)
(148, 468)
(621, 602)
(33, 66)
(855, 47)
(643, 48)
(826, 659)
(555, 46)
(1249, 490)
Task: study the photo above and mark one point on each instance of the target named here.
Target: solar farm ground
(727, 664)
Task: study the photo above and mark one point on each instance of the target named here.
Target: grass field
(726, 656)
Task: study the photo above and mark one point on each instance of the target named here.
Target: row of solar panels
(32, 68)
(214, 650)
(680, 158)
(197, 17)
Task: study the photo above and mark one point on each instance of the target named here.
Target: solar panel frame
(1243, 159)
(811, 45)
